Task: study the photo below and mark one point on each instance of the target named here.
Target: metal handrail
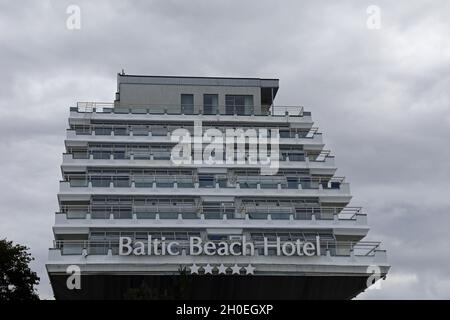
(88, 129)
(320, 157)
(130, 180)
(108, 107)
(347, 213)
(175, 177)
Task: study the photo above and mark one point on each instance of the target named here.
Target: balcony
(180, 181)
(241, 110)
(336, 192)
(159, 113)
(328, 248)
(188, 183)
(148, 134)
(208, 217)
(322, 163)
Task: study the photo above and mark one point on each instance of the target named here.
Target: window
(187, 103)
(238, 104)
(210, 103)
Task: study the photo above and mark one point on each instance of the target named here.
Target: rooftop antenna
(123, 72)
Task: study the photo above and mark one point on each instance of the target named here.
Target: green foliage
(179, 290)
(17, 281)
(144, 292)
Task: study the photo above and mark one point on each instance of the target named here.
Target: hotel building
(120, 185)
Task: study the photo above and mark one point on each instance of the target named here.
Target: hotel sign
(162, 247)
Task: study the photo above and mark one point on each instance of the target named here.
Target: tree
(17, 281)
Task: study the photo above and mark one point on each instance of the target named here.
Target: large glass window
(187, 103)
(210, 103)
(238, 104)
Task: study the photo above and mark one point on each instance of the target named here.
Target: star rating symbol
(250, 269)
(236, 269)
(194, 269)
(222, 269)
(208, 269)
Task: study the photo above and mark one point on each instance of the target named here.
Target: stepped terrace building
(148, 206)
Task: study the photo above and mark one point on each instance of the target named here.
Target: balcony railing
(103, 247)
(172, 181)
(248, 212)
(147, 154)
(165, 131)
(159, 109)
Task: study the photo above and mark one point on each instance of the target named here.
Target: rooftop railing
(104, 247)
(240, 110)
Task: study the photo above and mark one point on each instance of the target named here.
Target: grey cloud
(380, 97)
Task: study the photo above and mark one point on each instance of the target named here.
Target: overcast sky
(380, 96)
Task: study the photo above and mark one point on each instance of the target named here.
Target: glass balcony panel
(121, 110)
(139, 110)
(83, 131)
(269, 185)
(123, 214)
(80, 155)
(168, 215)
(122, 182)
(100, 215)
(143, 181)
(161, 155)
(119, 155)
(73, 214)
(121, 131)
(100, 182)
(71, 248)
(98, 248)
(103, 131)
(146, 215)
(101, 154)
(165, 182)
(343, 249)
(159, 131)
(303, 214)
(78, 182)
(280, 216)
(206, 182)
(140, 154)
(296, 157)
(190, 215)
(257, 215)
(185, 181)
(306, 183)
(140, 131)
(213, 215)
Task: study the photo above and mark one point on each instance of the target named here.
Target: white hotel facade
(121, 190)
